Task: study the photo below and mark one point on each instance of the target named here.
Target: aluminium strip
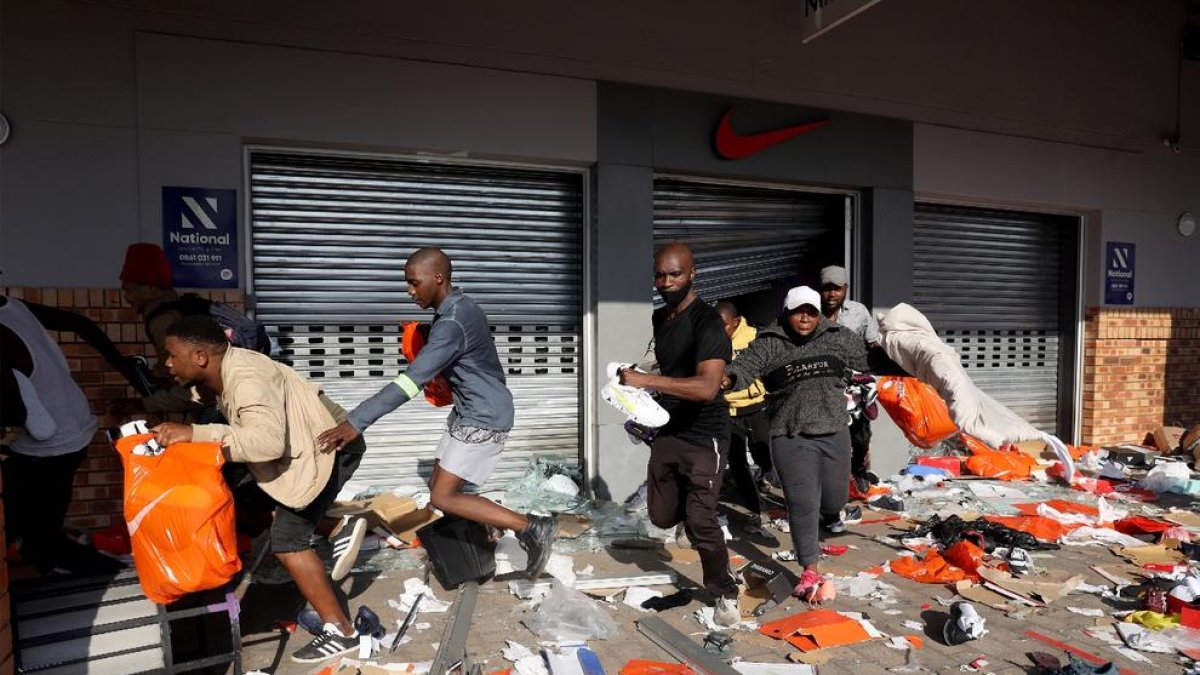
(452, 652)
(682, 648)
(523, 588)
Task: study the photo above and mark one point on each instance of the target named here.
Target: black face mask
(673, 298)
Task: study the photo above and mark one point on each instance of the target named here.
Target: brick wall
(1141, 370)
(98, 484)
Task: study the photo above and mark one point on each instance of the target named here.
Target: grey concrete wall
(82, 179)
(1133, 196)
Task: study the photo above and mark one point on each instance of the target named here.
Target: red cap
(146, 264)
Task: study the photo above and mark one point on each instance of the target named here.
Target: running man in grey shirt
(460, 347)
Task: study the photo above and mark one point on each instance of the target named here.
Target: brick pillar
(1141, 369)
(98, 493)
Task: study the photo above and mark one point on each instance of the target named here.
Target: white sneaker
(637, 404)
(346, 545)
(726, 612)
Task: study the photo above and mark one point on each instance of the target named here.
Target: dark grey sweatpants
(815, 473)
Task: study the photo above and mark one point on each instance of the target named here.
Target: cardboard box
(766, 586)
(1166, 439)
(398, 515)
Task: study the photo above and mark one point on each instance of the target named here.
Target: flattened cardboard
(816, 629)
(983, 596)
(1155, 554)
(1185, 518)
(1038, 591)
(398, 515)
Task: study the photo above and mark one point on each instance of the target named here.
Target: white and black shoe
(346, 545)
(327, 645)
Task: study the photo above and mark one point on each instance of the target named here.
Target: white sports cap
(802, 295)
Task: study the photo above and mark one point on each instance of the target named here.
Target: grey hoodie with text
(816, 404)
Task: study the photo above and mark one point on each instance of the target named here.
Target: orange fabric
(644, 667)
(999, 464)
(1041, 527)
(416, 334)
(932, 569)
(180, 517)
(917, 409)
(965, 556)
(1060, 505)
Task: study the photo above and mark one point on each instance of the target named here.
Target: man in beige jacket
(274, 416)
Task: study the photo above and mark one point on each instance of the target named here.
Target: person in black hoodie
(803, 361)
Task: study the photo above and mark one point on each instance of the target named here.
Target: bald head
(427, 274)
(676, 251)
(674, 271)
(430, 259)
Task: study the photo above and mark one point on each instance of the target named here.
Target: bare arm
(702, 387)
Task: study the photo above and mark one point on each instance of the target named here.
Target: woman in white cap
(804, 361)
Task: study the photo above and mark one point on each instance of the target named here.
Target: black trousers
(37, 492)
(683, 484)
(860, 446)
(751, 439)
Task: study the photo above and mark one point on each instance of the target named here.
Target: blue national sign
(1119, 273)
(200, 236)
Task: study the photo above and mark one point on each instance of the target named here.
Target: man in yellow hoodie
(751, 423)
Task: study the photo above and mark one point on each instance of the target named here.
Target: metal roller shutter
(744, 237)
(329, 237)
(999, 287)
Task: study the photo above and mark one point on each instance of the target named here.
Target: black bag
(241, 330)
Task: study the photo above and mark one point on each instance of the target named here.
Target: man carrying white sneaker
(688, 455)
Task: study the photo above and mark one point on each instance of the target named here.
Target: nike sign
(732, 145)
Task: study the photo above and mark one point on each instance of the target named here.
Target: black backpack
(241, 330)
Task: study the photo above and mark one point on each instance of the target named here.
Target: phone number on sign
(200, 257)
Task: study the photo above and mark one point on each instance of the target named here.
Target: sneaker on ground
(637, 501)
(324, 646)
(726, 612)
(852, 515)
(837, 527)
(537, 540)
(346, 545)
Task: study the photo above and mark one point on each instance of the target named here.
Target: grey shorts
(470, 454)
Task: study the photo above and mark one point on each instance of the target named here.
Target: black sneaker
(537, 539)
(346, 545)
(324, 646)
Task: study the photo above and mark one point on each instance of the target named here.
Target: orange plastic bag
(1041, 527)
(180, 517)
(644, 667)
(965, 556)
(917, 409)
(999, 464)
(932, 569)
(416, 334)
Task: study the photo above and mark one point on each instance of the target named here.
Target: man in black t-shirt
(688, 456)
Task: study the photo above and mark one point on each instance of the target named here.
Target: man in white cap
(835, 283)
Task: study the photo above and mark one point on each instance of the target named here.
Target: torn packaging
(398, 515)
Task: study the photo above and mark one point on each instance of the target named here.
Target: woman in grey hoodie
(804, 362)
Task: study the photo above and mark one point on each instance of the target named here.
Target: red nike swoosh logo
(732, 145)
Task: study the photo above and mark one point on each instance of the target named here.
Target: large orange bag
(180, 517)
(416, 334)
(917, 409)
